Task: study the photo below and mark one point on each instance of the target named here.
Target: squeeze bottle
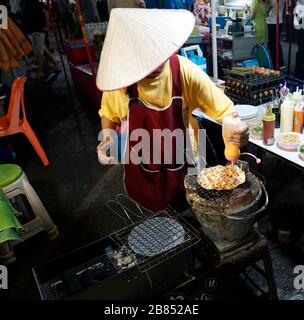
(287, 114)
(298, 118)
(231, 124)
(268, 127)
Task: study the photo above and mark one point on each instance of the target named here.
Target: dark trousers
(272, 34)
(299, 70)
(301, 39)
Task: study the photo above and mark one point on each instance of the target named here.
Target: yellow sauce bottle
(231, 124)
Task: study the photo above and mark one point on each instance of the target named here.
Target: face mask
(298, 19)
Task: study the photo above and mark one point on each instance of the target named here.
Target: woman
(272, 32)
(202, 12)
(67, 18)
(156, 91)
(36, 21)
(260, 11)
(89, 11)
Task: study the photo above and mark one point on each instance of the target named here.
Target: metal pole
(290, 39)
(277, 33)
(214, 41)
(56, 30)
(85, 37)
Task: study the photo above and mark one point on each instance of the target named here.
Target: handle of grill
(254, 214)
(126, 211)
(125, 201)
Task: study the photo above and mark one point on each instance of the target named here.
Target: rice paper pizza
(221, 177)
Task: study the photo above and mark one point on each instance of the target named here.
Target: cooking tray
(253, 85)
(249, 76)
(248, 98)
(251, 82)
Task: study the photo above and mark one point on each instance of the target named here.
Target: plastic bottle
(298, 120)
(268, 127)
(231, 124)
(297, 97)
(287, 114)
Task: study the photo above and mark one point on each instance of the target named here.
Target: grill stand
(240, 260)
(230, 248)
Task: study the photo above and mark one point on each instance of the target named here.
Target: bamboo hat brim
(138, 41)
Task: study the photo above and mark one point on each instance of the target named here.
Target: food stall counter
(291, 156)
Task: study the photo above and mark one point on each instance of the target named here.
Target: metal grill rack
(216, 195)
(153, 240)
(225, 195)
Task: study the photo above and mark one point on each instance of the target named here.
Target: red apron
(155, 186)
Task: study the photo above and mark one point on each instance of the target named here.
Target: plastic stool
(14, 182)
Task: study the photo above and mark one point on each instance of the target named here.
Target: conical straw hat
(139, 41)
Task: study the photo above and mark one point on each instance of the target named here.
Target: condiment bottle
(297, 96)
(231, 124)
(287, 114)
(268, 127)
(298, 118)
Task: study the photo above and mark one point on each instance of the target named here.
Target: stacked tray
(251, 85)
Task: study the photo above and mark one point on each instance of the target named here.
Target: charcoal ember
(124, 258)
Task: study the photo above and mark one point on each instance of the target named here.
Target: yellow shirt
(198, 91)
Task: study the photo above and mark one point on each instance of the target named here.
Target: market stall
(82, 52)
(173, 217)
(167, 216)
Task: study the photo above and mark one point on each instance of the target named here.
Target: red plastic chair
(16, 122)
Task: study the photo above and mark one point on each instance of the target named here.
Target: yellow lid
(269, 115)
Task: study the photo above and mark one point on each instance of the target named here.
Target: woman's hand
(108, 137)
(240, 138)
(106, 147)
(104, 151)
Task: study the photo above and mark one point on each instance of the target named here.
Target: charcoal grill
(227, 217)
(92, 272)
(146, 263)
